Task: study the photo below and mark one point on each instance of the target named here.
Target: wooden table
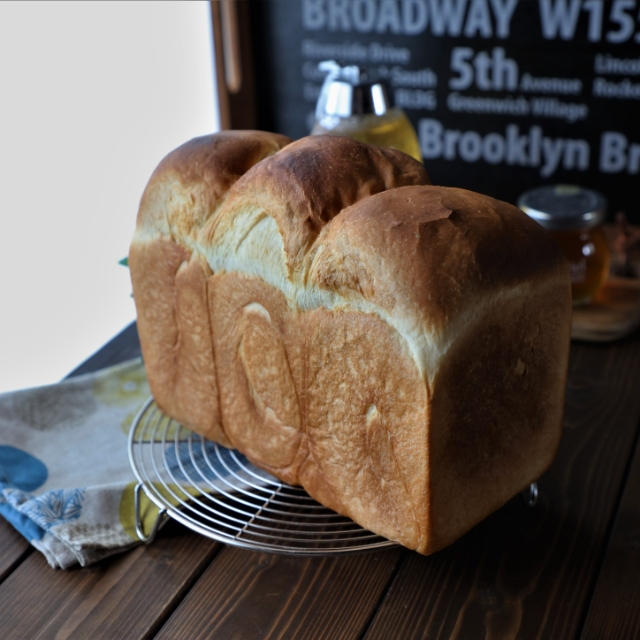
(569, 567)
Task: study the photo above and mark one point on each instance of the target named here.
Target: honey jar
(574, 217)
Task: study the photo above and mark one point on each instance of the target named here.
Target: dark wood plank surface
(510, 573)
(282, 597)
(615, 608)
(13, 547)
(126, 597)
(566, 568)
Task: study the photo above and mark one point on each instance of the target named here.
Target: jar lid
(347, 91)
(564, 206)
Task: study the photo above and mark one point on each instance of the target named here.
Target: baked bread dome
(396, 348)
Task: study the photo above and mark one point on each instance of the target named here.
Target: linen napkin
(65, 479)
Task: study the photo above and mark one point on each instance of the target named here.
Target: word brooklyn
(529, 148)
(512, 147)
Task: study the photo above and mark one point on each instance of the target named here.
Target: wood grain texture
(529, 573)
(568, 565)
(246, 595)
(125, 597)
(615, 607)
(13, 547)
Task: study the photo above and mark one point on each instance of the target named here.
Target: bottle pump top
(347, 91)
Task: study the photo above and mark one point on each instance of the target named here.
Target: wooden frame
(233, 64)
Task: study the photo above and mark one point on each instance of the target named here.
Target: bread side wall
(329, 399)
(497, 405)
(366, 408)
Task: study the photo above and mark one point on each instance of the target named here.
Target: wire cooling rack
(220, 494)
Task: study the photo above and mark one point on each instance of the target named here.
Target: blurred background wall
(92, 95)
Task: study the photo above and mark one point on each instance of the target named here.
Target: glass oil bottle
(352, 105)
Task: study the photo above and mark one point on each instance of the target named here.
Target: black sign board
(505, 95)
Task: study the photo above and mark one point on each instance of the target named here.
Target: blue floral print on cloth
(55, 507)
(65, 478)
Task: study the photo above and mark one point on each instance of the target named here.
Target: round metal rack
(220, 494)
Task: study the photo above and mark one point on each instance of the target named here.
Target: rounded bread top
(427, 252)
(191, 181)
(306, 184)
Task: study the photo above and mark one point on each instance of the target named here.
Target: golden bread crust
(499, 397)
(398, 349)
(430, 250)
(307, 184)
(169, 282)
(189, 184)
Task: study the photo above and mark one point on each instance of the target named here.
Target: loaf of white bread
(398, 349)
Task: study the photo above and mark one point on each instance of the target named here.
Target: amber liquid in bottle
(588, 255)
(392, 129)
